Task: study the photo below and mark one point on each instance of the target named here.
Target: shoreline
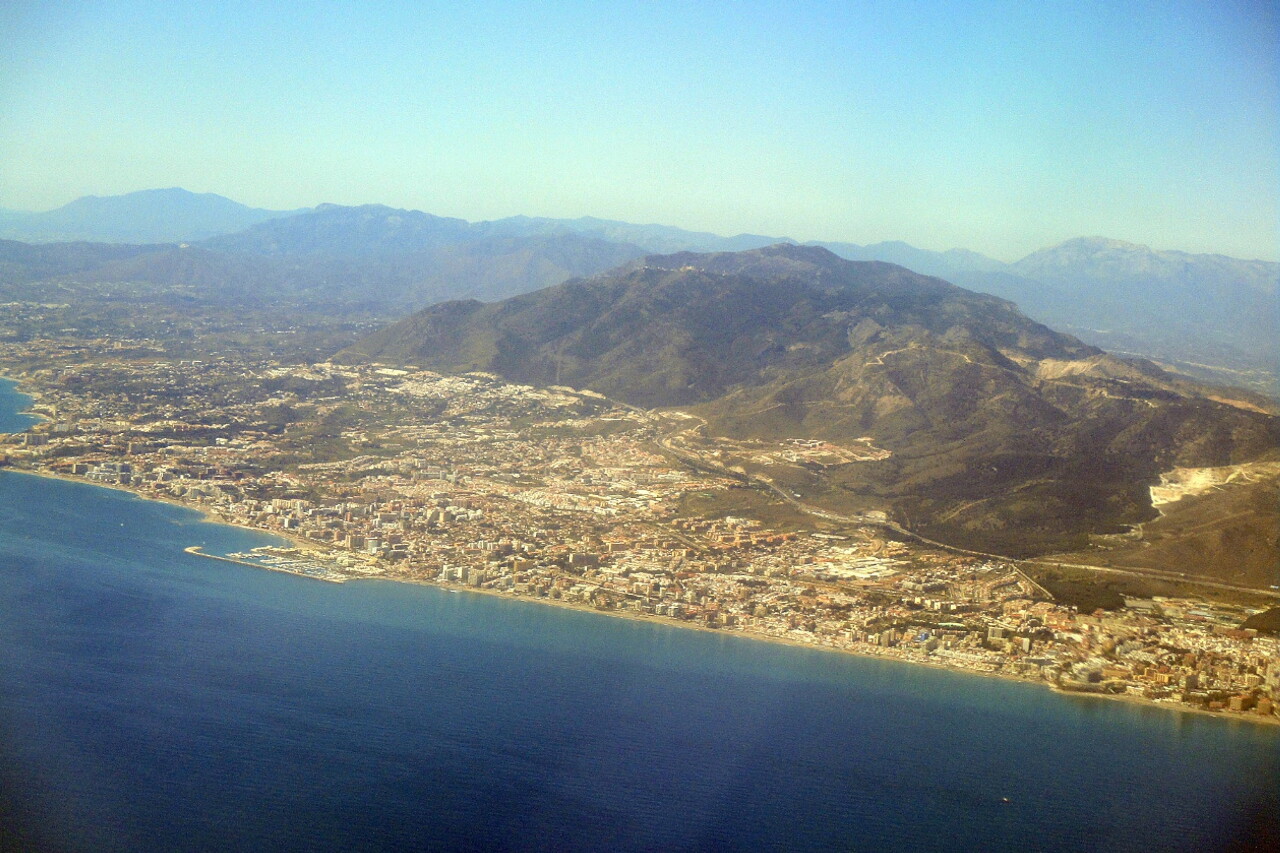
(207, 516)
(211, 517)
(1138, 701)
(753, 636)
(34, 396)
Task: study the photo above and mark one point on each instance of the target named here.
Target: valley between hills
(775, 440)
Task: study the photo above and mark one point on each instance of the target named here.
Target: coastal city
(611, 426)
(563, 496)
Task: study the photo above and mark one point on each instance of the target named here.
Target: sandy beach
(345, 574)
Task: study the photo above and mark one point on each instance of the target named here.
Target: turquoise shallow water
(155, 700)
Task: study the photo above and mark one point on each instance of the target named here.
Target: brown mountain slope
(1005, 436)
(1229, 532)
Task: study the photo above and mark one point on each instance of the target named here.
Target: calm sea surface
(11, 403)
(152, 700)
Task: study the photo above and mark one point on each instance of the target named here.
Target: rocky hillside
(1005, 435)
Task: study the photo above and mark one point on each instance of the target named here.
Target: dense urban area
(564, 496)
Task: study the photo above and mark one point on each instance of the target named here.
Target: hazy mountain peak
(812, 254)
(156, 193)
(1100, 244)
(945, 264)
(165, 215)
(1104, 258)
(815, 255)
(170, 199)
(774, 260)
(332, 229)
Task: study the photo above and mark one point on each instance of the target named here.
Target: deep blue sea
(152, 700)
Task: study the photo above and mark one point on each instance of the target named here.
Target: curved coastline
(208, 516)
(341, 574)
(379, 653)
(27, 411)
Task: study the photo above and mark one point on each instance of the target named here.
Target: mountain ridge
(1208, 315)
(1186, 309)
(1004, 435)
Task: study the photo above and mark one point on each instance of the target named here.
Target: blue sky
(999, 127)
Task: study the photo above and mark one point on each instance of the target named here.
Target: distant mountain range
(149, 216)
(1189, 310)
(1006, 436)
(1206, 315)
(333, 258)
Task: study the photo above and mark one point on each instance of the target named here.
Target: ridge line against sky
(806, 240)
(995, 126)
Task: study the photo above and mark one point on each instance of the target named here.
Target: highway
(702, 463)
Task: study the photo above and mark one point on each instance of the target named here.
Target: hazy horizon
(799, 239)
(992, 127)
